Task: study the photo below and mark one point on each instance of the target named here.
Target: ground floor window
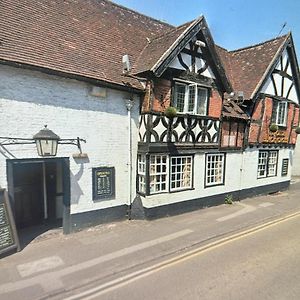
(158, 173)
(166, 173)
(214, 169)
(267, 163)
(181, 172)
(142, 173)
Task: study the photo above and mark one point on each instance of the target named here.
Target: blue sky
(233, 23)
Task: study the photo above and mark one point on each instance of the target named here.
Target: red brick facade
(158, 96)
(262, 119)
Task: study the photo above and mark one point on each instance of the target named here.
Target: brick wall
(262, 119)
(215, 104)
(30, 99)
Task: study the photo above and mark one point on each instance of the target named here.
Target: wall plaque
(8, 235)
(285, 167)
(103, 183)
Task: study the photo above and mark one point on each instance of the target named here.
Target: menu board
(285, 167)
(103, 183)
(8, 234)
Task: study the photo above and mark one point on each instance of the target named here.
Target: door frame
(66, 220)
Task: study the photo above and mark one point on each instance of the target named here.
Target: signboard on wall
(103, 183)
(285, 167)
(8, 235)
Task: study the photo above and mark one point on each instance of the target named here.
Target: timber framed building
(233, 134)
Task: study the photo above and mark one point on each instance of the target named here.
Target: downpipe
(129, 105)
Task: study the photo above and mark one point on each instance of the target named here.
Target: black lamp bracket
(6, 141)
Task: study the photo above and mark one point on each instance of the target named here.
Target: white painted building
(81, 80)
(29, 99)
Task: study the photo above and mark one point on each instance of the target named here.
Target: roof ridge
(258, 44)
(139, 13)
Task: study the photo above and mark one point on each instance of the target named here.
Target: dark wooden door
(28, 194)
(51, 179)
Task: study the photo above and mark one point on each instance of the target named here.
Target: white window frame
(141, 173)
(158, 173)
(196, 101)
(267, 163)
(181, 172)
(214, 169)
(281, 113)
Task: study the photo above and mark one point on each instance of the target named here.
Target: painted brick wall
(30, 99)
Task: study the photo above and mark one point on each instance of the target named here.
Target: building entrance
(38, 191)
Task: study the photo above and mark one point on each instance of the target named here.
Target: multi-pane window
(191, 98)
(215, 164)
(281, 114)
(267, 164)
(158, 173)
(262, 164)
(181, 172)
(142, 173)
(166, 173)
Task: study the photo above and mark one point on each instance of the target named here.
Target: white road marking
(245, 210)
(54, 276)
(266, 204)
(96, 292)
(40, 265)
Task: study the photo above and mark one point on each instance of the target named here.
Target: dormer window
(281, 114)
(190, 98)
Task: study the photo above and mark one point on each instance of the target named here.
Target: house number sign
(103, 183)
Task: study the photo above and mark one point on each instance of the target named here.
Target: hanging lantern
(46, 142)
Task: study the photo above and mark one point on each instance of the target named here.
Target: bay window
(166, 173)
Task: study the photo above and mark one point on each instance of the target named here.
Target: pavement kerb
(180, 255)
(186, 251)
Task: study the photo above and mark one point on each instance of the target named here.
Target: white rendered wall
(240, 173)
(296, 160)
(30, 99)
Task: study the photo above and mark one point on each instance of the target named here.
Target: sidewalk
(56, 262)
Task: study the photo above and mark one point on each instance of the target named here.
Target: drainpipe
(129, 105)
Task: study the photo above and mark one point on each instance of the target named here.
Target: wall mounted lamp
(46, 142)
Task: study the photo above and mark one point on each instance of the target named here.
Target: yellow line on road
(124, 280)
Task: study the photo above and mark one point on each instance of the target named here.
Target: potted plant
(171, 112)
(273, 127)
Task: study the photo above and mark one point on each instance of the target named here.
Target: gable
(193, 59)
(186, 48)
(282, 82)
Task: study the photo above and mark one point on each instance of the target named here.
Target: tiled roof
(82, 37)
(246, 67)
(156, 47)
(89, 37)
(231, 109)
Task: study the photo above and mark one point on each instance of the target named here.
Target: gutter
(90, 80)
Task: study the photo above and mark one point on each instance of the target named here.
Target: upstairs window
(190, 98)
(281, 114)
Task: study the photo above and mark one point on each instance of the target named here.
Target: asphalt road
(264, 264)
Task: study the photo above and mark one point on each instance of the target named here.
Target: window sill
(213, 185)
